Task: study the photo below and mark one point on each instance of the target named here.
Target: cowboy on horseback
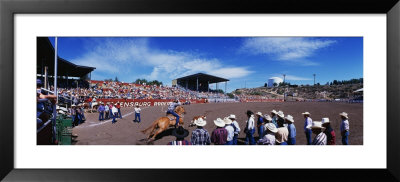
(171, 110)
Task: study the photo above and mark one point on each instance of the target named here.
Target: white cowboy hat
(344, 114)
(267, 117)
(219, 122)
(200, 122)
(259, 113)
(325, 120)
(316, 124)
(271, 127)
(73, 105)
(58, 108)
(273, 111)
(227, 120)
(289, 118)
(61, 112)
(232, 116)
(280, 114)
(306, 113)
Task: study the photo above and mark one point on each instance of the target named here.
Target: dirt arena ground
(127, 132)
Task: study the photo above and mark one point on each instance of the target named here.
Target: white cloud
(296, 78)
(291, 50)
(292, 77)
(118, 55)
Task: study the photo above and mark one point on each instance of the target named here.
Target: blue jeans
(291, 141)
(119, 113)
(235, 137)
(260, 131)
(137, 115)
(176, 115)
(250, 138)
(345, 138)
(308, 136)
(113, 116)
(283, 143)
(101, 116)
(229, 142)
(79, 119)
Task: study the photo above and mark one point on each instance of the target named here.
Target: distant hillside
(304, 92)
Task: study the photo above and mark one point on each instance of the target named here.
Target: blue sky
(246, 61)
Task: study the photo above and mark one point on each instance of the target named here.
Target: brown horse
(163, 123)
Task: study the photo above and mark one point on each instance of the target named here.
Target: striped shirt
(320, 139)
(183, 142)
(200, 136)
(219, 136)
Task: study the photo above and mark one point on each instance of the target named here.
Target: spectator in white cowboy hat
(220, 134)
(320, 138)
(250, 129)
(292, 130)
(344, 128)
(307, 123)
(101, 111)
(282, 134)
(230, 129)
(267, 119)
(260, 124)
(274, 118)
(236, 128)
(329, 132)
(180, 133)
(269, 137)
(200, 136)
(107, 110)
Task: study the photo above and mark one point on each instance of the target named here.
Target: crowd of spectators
(121, 90)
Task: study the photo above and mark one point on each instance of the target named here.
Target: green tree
(116, 79)
(230, 95)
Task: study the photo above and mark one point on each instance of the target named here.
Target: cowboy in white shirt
(137, 114)
(236, 128)
(344, 128)
(249, 130)
(114, 111)
(230, 129)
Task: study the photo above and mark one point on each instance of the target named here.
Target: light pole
(314, 78)
(284, 76)
(284, 91)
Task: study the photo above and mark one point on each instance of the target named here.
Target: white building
(273, 80)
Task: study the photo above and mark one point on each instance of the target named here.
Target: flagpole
(55, 90)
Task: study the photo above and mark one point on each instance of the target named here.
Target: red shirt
(90, 99)
(118, 106)
(331, 137)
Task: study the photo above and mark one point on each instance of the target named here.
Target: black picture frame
(8, 8)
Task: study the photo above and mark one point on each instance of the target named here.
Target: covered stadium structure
(199, 82)
(66, 69)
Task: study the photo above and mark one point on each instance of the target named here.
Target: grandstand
(54, 127)
(199, 82)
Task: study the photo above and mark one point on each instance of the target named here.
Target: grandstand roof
(45, 57)
(203, 78)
